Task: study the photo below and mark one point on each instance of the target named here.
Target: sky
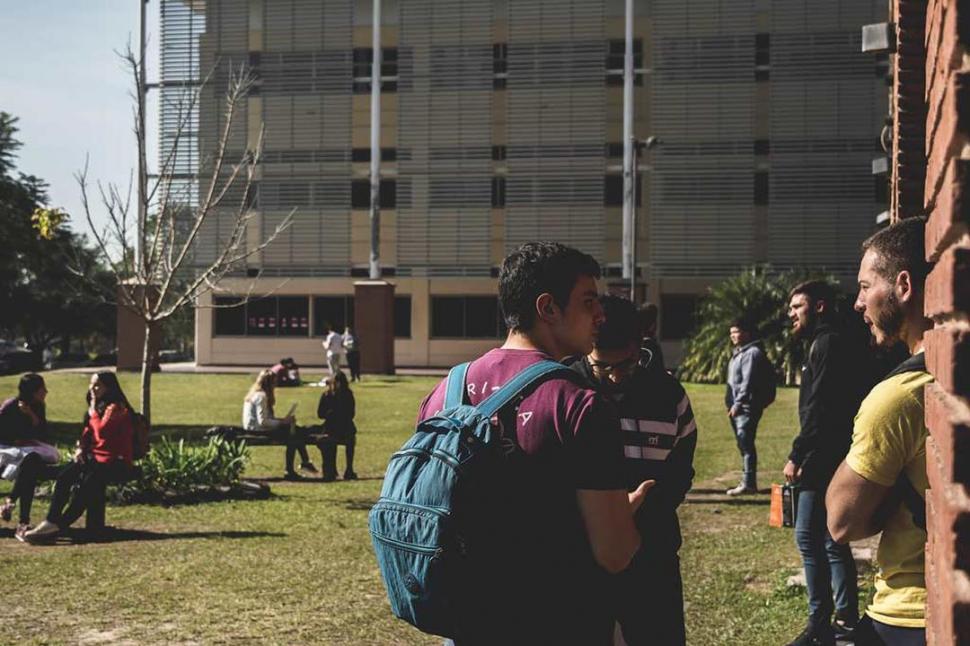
(61, 75)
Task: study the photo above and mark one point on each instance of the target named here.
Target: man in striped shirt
(659, 437)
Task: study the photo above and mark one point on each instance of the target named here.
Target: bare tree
(153, 255)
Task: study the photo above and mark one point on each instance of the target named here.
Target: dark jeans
(829, 567)
(328, 455)
(745, 425)
(86, 481)
(295, 442)
(874, 633)
(32, 470)
(649, 598)
(353, 362)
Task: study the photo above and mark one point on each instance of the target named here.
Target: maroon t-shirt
(569, 439)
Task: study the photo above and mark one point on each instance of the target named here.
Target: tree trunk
(146, 373)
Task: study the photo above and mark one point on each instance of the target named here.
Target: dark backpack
(435, 524)
(140, 443)
(903, 488)
(766, 380)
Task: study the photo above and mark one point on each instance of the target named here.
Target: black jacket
(659, 437)
(834, 381)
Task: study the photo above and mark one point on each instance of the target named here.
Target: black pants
(295, 442)
(86, 480)
(875, 633)
(328, 454)
(353, 362)
(32, 470)
(649, 598)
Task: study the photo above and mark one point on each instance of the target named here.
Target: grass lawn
(298, 568)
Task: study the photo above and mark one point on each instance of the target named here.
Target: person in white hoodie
(334, 346)
(258, 417)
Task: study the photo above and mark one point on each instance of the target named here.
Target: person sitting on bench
(337, 409)
(103, 456)
(258, 417)
(29, 458)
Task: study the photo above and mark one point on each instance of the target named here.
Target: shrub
(759, 293)
(173, 469)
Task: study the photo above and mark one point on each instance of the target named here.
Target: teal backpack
(437, 526)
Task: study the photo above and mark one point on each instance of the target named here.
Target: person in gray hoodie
(744, 400)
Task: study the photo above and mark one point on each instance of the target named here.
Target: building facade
(502, 123)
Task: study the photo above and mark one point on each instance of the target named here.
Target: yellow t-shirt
(890, 436)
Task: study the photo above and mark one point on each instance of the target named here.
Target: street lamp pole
(628, 153)
(375, 148)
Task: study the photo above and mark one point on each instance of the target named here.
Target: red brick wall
(946, 147)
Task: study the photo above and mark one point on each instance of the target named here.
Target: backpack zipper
(440, 455)
(408, 547)
(407, 507)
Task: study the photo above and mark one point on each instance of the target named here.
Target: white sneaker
(45, 530)
(741, 489)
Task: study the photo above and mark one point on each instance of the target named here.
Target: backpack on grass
(435, 525)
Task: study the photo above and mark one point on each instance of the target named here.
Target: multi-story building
(502, 123)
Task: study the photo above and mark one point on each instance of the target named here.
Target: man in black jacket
(833, 378)
(659, 437)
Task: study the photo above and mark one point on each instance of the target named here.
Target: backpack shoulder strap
(914, 502)
(539, 370)
(916, 363)
(455, 386)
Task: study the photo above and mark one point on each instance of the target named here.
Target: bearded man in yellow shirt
(881, 484)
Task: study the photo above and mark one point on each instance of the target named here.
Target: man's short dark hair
(745, 323)
(28, 385)
(901, 247)
(648, 316)
(622, 324)
(815, 290)
(537, 268)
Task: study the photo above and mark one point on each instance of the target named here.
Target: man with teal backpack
(501, 518)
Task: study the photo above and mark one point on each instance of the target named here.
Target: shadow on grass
(305, 480)
(721, 491)
(121, 535)
(731, 502)
(359, 504)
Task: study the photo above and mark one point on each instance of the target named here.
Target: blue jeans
(745, 425)
(829, 567)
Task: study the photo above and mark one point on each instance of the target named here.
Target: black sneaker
(843, 629)
(815, 636)
(350, 475)
(293, 476)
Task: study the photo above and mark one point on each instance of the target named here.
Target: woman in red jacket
(104, 455)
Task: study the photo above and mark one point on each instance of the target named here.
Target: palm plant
(758, 293)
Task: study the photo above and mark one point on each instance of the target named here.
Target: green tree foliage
(50, 289)
(758, 293)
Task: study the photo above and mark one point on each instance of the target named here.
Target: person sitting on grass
(258, 417)
(103, 456)
(287, 373)
(337, 409)
(23, 430)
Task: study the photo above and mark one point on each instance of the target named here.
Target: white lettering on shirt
(525, 417)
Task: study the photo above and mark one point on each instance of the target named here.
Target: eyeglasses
(603, 369)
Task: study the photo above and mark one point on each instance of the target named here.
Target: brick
(949, 526)
(948, 358)
(948, 421)
(948, 285)
(947, 129)
(932, 13)
(949, 209)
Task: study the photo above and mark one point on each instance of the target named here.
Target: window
(677, 315)
(466, 317)
(332, 313)
(294, 316)
(498, 191)
(229, 321)
(363, 154)
(881, 188)
(364, 59)
(761, 187)
(360, 194)
(613, 190)
(615, 53)
(762, 49)
(261, 317)
(402, 317)
(500, 65)
(762, 146)
(498, 153)
(614, 149)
